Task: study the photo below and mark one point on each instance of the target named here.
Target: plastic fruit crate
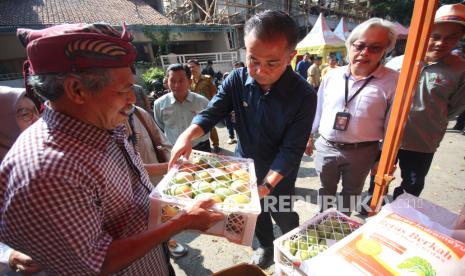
(230, 181)
(309, 239)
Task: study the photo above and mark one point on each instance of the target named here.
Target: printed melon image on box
(390, 244)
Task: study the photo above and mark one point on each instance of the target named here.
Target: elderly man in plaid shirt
(74, 193)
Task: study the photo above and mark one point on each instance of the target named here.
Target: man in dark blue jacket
(274, 110)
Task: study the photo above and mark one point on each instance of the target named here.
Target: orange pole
(420, 29)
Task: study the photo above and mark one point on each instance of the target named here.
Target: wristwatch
(268, 186)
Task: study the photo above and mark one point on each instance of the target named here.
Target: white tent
(320, 41)
(401, 30)
(342, 31)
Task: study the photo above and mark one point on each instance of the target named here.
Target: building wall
(11, 47)
(12, 56)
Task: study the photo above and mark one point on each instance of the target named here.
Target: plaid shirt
(68, 190)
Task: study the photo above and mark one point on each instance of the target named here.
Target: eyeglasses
(373, 49)
(26, 114)
(269, 65)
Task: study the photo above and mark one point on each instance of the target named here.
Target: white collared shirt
(369, 109)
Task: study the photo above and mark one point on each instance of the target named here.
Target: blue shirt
(273, 126)
(302, 68)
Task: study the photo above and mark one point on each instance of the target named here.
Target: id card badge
(341, 122)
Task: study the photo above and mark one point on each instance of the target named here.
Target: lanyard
(356, 93)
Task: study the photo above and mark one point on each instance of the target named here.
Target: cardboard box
(390, 244)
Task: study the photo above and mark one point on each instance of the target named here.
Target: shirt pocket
(169, 117)
(370, 106)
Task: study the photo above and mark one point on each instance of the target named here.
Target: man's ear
(291, 56)
(74, 90)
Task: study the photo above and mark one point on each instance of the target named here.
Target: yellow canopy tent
(320, 41)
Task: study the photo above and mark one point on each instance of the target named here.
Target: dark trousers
(460, 125)
(171, 271)
(414, 167)
(204, 146)
(286, 218)
(230, 126)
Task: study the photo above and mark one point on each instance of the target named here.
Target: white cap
(451, 14)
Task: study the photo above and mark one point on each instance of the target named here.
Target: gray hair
(51, 86)
(363, 27)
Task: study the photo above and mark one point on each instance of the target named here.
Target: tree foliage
(159, 39)
(153, 79)
(398, 10)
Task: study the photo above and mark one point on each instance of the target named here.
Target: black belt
(350, 145)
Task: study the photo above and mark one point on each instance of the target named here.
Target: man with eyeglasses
(274, 109)
(439, 97)
(353, 109)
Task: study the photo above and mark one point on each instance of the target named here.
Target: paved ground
(445, 186)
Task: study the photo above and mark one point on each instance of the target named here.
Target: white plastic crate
(225, 178)
(309, 239)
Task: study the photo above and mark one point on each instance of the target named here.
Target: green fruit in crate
(182, 178)
(203, 175)
(338, 236)
(330, 236)
(324, 228)
(181, 190)
(338, 230)
(213, 162)
(200, 161)
(302, 244)
(237, 199)
(224, 192)
(168, 212)
(200, 187)
(346, 229)
(223, 177)
(291, 246)
(240, 174)
(305, 254)
(312, 236)
(219, 175)
(312, 233)
(312, 240)
(219, 184)
(331, 222)
(213, 196)
(240, 186)
(322, 242)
